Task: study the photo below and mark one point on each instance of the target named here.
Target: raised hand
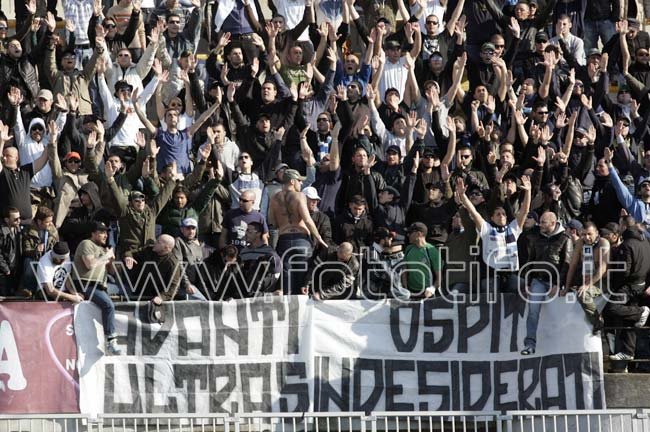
(4, 133)
(205, 150)
(525, 183)
(61, 104)
(140, 140)
(541, 156)
(560, 120)
(50, 21)
(608, 155)
(278, 134)
(53, 130)
(15, 96)
(109, 171)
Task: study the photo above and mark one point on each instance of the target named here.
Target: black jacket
(635, 253)
(10, 251)
(358, 232)
(555, 249)
(331, 284)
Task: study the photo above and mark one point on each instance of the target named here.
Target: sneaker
(112, 348)
(621, 356)
(528, 351)
(644, 317)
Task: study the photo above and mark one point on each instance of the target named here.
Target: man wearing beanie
(53, 275)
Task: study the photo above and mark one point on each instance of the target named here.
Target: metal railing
(619, 420)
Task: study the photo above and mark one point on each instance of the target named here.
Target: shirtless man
(289, 210)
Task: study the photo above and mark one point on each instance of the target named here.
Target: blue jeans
(604, 29)
(95, 294)
(295, 250)
(536, 296)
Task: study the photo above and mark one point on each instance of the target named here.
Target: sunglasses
(432, 22)
(109, 26)
(37, 129)
(499, 46)
(542, 112)
(16, 219)
(3, 28)
(465, 156)
(75, 161)
(245, 201)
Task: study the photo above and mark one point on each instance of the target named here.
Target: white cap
(311, 193)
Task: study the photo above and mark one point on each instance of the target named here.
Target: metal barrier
(434, 421)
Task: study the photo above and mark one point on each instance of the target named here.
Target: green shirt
(85, 248)
(421, 263)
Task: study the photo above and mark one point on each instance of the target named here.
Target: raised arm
(525, 205)
(465, 202)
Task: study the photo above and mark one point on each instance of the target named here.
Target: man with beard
(499, 240)
(90, 263)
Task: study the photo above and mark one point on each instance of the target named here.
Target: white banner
(293, 355)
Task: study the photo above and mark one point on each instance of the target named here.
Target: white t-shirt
(48, 272)
(499, 252)
(292, 11)
(394, 76)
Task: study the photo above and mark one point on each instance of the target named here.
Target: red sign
(38, 359)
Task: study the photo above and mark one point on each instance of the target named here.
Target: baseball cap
(311, 193)
(45, 94)
(72, 155)
(292, 174)
(417, 227)
(391, 190)
(575, 224)
(99, 226)
(394, 148)
(135, 195)
(541, 36)
(280, 166)
(60, 250)
(593, 51)
(382, 233)
(487, 46)
(633, 22)
(643, 180)
(189, 222)
(436, 185)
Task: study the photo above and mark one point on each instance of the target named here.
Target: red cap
(71, 155)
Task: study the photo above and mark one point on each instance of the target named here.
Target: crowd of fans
(325, 139)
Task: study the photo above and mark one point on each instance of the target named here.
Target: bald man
(16, 180)
(154, 271)
(335, 278)
(550, 249)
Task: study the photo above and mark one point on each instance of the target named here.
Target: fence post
(504, 418)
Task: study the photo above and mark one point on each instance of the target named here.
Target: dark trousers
(625, 315)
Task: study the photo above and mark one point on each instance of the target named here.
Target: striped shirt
(79, 12)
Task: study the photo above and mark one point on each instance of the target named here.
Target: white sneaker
(644, 317)
(621, 357)
(112, 348)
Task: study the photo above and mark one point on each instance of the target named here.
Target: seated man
(53, 274)
(155, 270)
(335, 278)
(261, 265)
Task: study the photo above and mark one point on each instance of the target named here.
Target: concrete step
(627, 390)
